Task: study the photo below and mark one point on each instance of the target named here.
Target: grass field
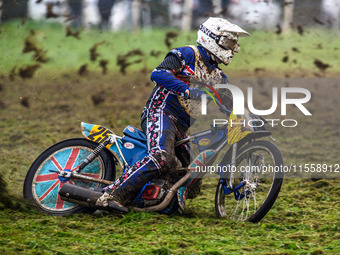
(263, 53)
(36, 113)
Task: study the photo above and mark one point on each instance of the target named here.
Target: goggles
(227, 42)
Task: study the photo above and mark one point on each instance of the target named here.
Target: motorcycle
(68, 177)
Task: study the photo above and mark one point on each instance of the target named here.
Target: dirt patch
(54, 107)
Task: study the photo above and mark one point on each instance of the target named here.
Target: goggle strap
(210, 33)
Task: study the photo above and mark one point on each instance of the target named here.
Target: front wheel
(260, 166)
(41, 185)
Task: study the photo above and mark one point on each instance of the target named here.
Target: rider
(174, 104)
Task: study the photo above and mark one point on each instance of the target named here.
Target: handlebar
(223, 109)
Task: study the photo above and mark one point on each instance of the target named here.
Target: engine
(155, 192)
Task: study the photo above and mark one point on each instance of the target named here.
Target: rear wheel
(259, 165)
(41, 185)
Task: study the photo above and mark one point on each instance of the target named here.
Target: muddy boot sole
(115, 206)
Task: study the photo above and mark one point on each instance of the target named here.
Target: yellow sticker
(99, 134)
(238, 127)
(204, 142)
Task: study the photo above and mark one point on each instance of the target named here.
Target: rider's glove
(193, 93)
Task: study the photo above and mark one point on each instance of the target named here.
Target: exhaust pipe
(78, 195)
(167, 198)
(87, 197)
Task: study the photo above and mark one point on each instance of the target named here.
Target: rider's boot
(109, 202)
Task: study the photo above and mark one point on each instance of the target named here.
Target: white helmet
(219, 37)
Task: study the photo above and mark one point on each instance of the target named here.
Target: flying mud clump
(93, 51)
(94, 55)
(71, 33)
(170, 37)
(98, 98)
(321, 65)
(30, 45)
(103, 64)
(83, 70)
(125, 60)
(28, 71)
(40, 55)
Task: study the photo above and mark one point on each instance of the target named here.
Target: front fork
(233, 165)
(93, 155)
(228, 185)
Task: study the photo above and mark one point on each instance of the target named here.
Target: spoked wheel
(42, 184)
(259, 168)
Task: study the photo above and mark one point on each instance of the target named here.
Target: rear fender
(99, 134)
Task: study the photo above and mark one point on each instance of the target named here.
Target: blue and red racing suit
(164, 120)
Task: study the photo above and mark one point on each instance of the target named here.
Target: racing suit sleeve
(164, 74)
